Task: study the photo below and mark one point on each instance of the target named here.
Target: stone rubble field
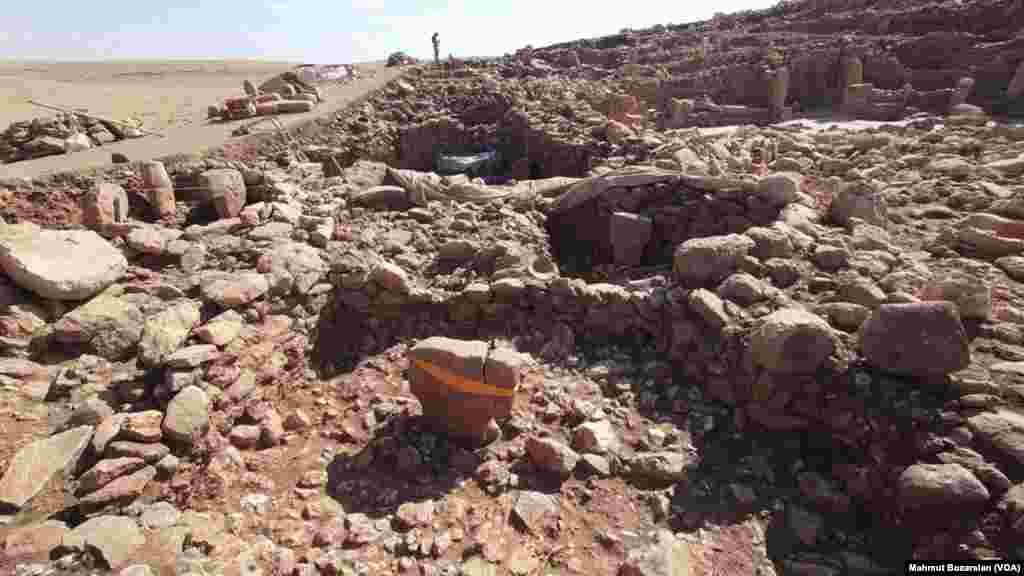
(658, 350)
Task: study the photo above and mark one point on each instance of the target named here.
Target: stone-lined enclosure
(720, 316)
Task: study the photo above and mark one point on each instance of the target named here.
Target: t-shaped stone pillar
(462, 384)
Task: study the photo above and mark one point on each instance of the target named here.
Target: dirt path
(195, 138)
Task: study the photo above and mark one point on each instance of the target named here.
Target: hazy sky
(321, 31)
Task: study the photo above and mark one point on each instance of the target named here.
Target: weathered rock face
(59, 264)
(463, 385)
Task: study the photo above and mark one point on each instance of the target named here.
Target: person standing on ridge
(437, 48)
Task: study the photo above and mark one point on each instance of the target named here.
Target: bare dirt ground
(170, 97)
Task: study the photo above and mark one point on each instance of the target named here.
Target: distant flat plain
(169, 97)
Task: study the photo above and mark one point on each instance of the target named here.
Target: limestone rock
(59, 264)
(34, 541)
(36, 464)
(448, 378)
(552, 456)
(662, 467)
(859, 200)
(1001, 432)
(534, 508)
(595, 437)
(188, 415)
(629, 235)
(225, 188)
(120, 490)
(666, 556)
(392, 278)
(111, 326)
(221, 329)
(792, 341)
(780, 189)
(160, 188)
(166, 331)
(918, 339)
(710, 260)
(104, 205)
(299, 265)
(115, 539)
(232, 290)
(937, 486)
(106, 471)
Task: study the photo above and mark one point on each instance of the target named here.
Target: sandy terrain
(163, 94)
(171, 98)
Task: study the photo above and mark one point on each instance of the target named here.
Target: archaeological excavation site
(729, 298)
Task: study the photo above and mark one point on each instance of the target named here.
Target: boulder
(938, 487)
(710, 260)
(792, 341)
(916, 339)
(59, 264)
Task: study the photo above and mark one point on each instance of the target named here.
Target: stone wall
(420, 143)
(515, 137)
(643, 224)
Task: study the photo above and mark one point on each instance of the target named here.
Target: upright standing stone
(1016, 87)
(629, 235)
(963, 90)
(159, 189)
(853, 71)
(462, 385)
(225, 188)
(103, 205)
(779, 88)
